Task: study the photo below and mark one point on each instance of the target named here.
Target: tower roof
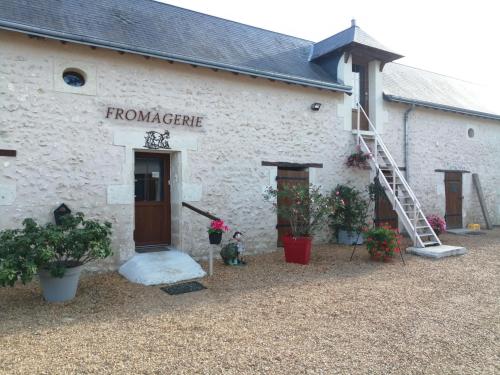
(354, 40)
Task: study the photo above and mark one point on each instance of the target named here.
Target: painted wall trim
(451, 170)
(52, 34)
(8, 153)
(442, 107)
(291, 165)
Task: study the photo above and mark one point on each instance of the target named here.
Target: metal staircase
(397, 189)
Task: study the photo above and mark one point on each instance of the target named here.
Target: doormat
(192, 286)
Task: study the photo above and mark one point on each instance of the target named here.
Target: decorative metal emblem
(155, 140)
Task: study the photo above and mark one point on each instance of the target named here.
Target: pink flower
(218, 226)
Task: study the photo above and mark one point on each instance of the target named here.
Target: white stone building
(81, 83)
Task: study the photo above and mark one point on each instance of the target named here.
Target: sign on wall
(153, 117)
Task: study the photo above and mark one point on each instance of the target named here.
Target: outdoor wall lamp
(315, 106)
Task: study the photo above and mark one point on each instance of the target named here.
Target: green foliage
(303, 206)
(54, 247)
(382, 241)
(352, 209)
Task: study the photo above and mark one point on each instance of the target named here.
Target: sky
(456, 38)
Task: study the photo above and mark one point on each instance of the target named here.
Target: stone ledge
(437, 252)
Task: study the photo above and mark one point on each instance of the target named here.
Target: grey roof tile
(402, 81)
(158, 29)
(354, 35)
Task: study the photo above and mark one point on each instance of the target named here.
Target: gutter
(406, 141)
(95, 42)
(442, 107)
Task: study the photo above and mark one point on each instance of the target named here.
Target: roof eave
(182, 59)
(442, 107)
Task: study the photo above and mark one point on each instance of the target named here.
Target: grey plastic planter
(349, 238)
(60, 289)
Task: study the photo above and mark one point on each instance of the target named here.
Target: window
(470, 133)
(74, 78)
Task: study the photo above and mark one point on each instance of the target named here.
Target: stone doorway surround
(132, 140)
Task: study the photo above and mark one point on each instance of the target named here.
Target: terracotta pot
(297, 249)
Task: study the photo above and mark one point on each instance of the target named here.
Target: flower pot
(215, 238)
(349, 238)
(60, 289)
(297, 249)
(388, 259)
(376, 258)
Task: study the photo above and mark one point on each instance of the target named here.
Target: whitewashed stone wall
(438, 140)
(69, 152)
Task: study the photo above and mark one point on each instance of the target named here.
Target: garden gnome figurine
(238, 236)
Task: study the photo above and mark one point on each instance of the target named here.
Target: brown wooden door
(384, 213)
(360, 83)
(288, 176)
(453, 191)
(152, 199)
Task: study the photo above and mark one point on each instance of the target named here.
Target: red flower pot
(297, 249)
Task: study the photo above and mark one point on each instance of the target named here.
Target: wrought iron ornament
(155, 140)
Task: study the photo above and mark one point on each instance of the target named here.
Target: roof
(410, 85)
(348, 39)
(169, 32)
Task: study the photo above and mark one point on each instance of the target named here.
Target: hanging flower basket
(358, 159)
(217, 227)
(215, 238)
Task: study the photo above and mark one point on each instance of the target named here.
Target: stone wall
(439, 140)
(69, 152)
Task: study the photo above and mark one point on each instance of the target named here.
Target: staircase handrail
(389, 156)
(381, 176)
(199, 211)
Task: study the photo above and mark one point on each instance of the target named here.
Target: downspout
(406, 143)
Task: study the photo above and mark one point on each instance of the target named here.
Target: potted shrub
(56, 252)
(306, 209)
(437, 223)
(215, 230)
(382, 243)
(349, 218)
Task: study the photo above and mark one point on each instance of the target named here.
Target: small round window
(74, 78)
(470, 133)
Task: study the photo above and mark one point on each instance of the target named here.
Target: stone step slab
(437, 252)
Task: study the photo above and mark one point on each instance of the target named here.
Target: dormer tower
(357, 60)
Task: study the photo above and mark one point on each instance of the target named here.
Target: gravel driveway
(331, 317)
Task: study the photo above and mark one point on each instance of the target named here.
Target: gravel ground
(333, 316)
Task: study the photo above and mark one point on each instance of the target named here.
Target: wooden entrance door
(289, 177)
(360, 93)
(152, 199)
(453, 191)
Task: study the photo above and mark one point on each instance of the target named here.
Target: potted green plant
(382, 243)
(215, 230)
(56, 252)
(349, 218)
(306, 209)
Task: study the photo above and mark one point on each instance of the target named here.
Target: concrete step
(437, 252)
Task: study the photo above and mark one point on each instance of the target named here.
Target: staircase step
(425, 234)
(430, 243)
